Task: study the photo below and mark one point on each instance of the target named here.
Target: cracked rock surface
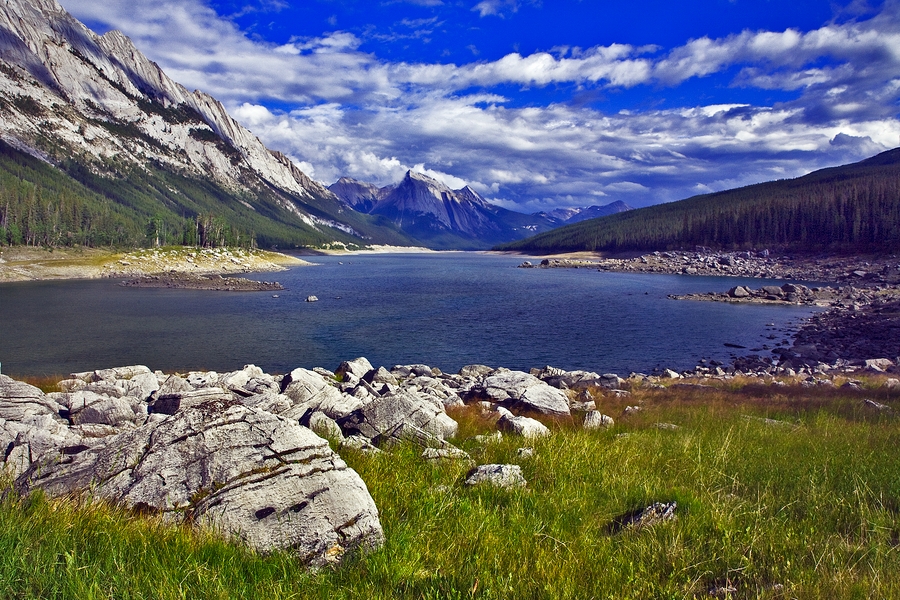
(267, 480)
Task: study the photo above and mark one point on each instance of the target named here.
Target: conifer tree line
(41, 205)
(854, 208)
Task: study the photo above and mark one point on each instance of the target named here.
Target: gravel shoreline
(33, 264)
(203, 282)
(859, 330)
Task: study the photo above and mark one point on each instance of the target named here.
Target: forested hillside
(98, 146)
(41, 205)
(852, 208)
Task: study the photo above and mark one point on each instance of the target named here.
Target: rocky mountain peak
(432, 185)
(432, 212)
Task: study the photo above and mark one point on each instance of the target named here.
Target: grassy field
(805, 507)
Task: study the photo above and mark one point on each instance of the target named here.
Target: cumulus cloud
(349, 112)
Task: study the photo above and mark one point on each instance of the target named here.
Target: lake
(442, 309)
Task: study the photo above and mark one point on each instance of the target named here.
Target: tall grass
(807, 508)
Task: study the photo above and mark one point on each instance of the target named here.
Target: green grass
(808, 509)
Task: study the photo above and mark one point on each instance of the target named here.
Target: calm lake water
(445, 310)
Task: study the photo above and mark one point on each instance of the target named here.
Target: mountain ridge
(428, 209)
(97, 109)
(440, 217)
(848, 208)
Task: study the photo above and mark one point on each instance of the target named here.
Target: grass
(805, 509)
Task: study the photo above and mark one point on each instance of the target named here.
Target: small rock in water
(312, 299)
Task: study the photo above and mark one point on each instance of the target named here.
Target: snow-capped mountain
(568, 216)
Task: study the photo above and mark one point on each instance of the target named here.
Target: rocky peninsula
(854, 270)
(203, 282)
(27, 264)
(860, 327)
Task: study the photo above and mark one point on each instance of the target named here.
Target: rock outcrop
(265, 479)
(203, 448)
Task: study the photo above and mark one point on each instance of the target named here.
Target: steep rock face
(438, 216)
(358, 195)
(425, 201)
(66, 92)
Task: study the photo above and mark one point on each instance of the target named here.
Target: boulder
(140, 386)
(658, 512)
(238, 380)
(34, 438)
(523, 426)
(77, 401)
(524, 391)
(476, 371)
(879, 364)
(169, 404)
(358, 368)
(266, 480)
(380, 376)
(110, 411)
(324, 426)
(404, 371)
(449, 453)
(277, 404)
(503, 476)
(173, 384)
(739, 292)
(310, 391)
(406, 432)
(525, 452)
(597, 420)
(19, 400)
(116, 373)
(199, 379)
(381, 416)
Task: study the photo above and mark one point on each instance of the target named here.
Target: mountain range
(429, 210)
(99, 146)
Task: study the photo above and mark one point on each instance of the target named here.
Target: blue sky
(540, 104)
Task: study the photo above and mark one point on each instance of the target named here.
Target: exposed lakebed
(443, 309)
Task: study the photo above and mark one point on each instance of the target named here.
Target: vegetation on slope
(41, 205)
(808, 507)
(853, 208)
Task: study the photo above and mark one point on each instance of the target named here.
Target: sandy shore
(29, 264)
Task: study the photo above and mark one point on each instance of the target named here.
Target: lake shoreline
(857, 270)
(39, 264)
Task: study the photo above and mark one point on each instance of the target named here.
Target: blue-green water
(445, 310)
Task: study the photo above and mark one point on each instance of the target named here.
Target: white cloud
(353, 113)
(495, 7)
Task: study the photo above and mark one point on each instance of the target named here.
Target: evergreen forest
(847, 209)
